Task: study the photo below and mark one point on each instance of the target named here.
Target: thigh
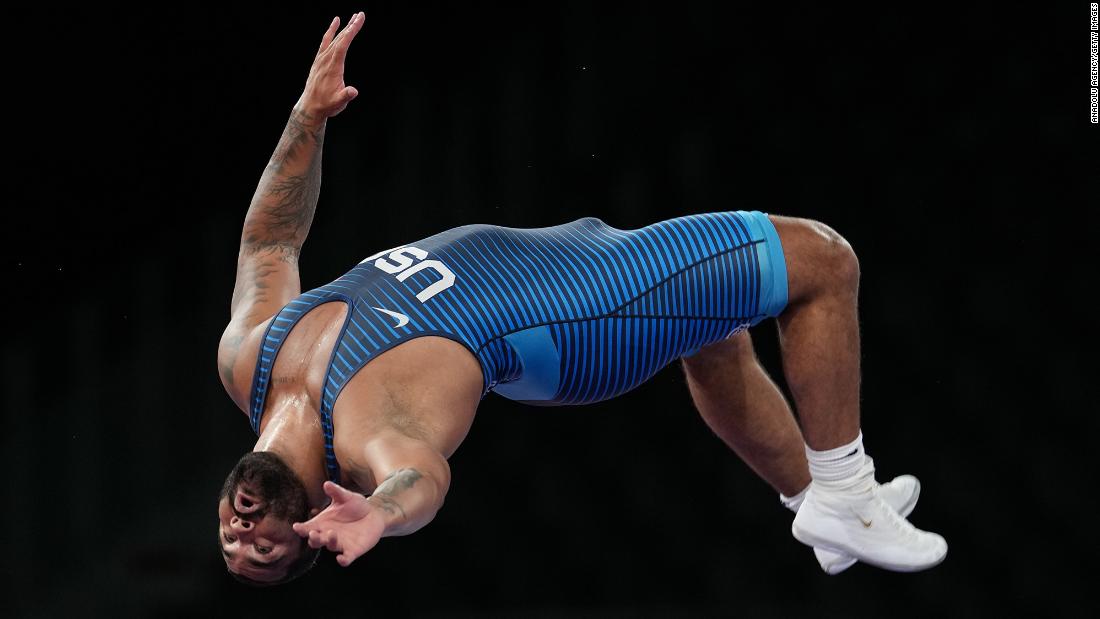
(606, 357)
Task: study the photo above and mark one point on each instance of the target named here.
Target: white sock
(841, 469)
(794, 502)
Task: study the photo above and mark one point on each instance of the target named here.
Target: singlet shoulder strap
(272, 342)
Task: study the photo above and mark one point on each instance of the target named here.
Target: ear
(313, 512)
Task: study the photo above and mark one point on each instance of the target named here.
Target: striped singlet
(568, 314)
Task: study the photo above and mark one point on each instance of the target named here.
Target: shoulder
(237, 351)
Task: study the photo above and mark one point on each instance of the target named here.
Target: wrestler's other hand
(350, 525)
(325, 94)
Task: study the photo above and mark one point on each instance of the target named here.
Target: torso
(435, 382)
(567, 314)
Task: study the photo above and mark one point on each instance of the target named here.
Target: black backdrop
(950, 148)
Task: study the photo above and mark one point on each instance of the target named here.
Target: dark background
(950, 148)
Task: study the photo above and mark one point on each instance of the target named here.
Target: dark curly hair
(286, 499)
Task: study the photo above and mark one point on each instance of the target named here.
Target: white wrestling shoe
(867, 527)
(901, 493)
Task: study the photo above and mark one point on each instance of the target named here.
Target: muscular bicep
(267, 279)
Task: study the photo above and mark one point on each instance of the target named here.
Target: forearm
(409, 498)
(286, 197)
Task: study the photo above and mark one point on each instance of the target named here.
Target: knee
(837, 258)
(819, 259)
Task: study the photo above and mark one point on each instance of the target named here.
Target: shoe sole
(808, 538)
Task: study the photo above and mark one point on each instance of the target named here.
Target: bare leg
(741, 404)
(819, 335)
(843, 515)
(819, 331)
(845, 512)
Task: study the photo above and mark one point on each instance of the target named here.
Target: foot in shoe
(901, 493)
(866, 527)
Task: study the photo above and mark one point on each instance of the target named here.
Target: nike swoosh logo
(402, 319)
(866, 523)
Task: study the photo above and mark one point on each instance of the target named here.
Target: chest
(298, 372)
(427, 387)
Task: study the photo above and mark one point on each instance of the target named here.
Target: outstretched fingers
(309, 527)
(326, 40)
(344, 39)
(335, 491)
(314, 538)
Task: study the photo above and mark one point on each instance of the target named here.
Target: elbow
(442, 484)
(417, 492)
(435, 475)
(442, 478)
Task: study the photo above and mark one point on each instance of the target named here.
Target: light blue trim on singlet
(541, 363)
(773, 290)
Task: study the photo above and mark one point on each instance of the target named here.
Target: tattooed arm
(278, 221)
(281, 212)
(415, 478)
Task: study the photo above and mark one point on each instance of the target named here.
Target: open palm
(350, 525)
(325, 92)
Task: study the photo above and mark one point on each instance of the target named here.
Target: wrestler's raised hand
(325, 94)
(350, 525)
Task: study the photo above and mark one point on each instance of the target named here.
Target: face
(259, 548)
(260, 499)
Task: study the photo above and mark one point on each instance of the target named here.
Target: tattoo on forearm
(293, 202)
(299, 131)
(388, 505)
(285, 201)
(397, 482)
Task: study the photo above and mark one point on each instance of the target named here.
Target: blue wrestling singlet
(568, 314)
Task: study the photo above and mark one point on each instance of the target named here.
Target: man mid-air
(361, 389)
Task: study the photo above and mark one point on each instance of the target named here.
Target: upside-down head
(259, 501)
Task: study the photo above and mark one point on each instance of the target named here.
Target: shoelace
(898, 522)
(895, 519)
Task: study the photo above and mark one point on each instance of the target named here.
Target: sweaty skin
(395, 423)
(403, 414)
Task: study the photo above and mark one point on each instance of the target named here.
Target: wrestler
(361, 389)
